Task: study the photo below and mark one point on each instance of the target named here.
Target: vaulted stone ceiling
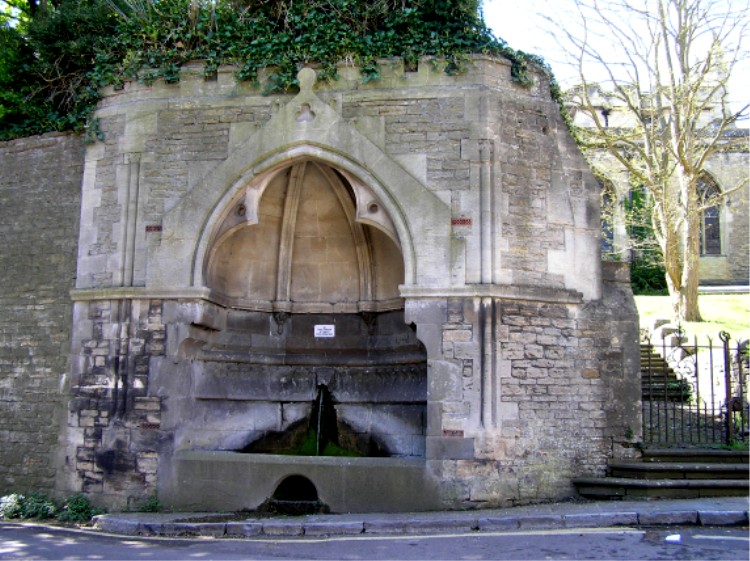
(307, 252)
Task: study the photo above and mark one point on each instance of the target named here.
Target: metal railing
(692, 394)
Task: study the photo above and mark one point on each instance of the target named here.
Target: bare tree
(653, 96)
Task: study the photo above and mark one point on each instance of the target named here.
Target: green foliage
(79, 46)
(151, 504)
(38, 506)
(638, 209)
(647, 272)
(11, 506)
(15, 59)
(44, 66)
(648, 279)
(156, 38)
(77, 509)
(26, 506)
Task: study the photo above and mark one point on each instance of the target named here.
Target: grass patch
(721, 312)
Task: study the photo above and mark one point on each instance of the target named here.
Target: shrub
(77, 509)
(38, 506)
(648, 279)
(11, 506)
(35, 505)
(151, 504)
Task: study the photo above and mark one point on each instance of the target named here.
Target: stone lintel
(501, 292)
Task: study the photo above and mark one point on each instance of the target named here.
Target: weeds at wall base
(76, 509)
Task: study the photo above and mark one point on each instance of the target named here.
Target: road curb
(417, 524)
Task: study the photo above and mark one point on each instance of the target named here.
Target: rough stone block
(333, 528)
(244, 529)
(449, 448)
(600, 519)
(540, 522)
(723, 518)
(656, 518)
(283, 528)
(498, 524)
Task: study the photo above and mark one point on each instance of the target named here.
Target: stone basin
(231, 481)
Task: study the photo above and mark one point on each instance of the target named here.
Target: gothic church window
(710, 226)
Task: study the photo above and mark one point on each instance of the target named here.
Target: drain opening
(296, 488)
(295, 495)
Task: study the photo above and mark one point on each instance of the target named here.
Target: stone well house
(418, 256)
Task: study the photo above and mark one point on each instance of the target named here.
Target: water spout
(318, 435)
(324, 421)
(320, 420)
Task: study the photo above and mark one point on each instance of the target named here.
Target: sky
(518, 22)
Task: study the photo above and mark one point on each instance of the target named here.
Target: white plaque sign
(326, 331)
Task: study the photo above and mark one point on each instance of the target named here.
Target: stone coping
(227, 456)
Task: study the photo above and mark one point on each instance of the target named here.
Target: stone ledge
(500, 292)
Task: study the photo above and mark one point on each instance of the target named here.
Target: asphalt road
(38, 542)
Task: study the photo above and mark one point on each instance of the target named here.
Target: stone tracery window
(608, 216)
(710, 225)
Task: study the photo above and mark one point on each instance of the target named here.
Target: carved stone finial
(306, 78)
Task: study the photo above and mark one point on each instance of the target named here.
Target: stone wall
(561, 399)
(113, 435)
(40, 196)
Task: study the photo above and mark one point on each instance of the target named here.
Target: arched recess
(306, 238)
(302, 246)
(373, 204)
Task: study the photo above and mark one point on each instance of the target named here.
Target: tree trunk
(681, 249)
(691, 266)
(674, 267)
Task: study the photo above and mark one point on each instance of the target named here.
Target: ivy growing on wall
(109, 42)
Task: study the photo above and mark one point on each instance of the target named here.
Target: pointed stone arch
(303, 238)
(710, 196)
(325, 137)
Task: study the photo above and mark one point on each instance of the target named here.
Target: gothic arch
(609, 212)
(374, 203)
(325, 137)
(709, 195)
(303, 238)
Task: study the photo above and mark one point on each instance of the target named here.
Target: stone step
(653, 355)
(681, 393)
(678, 470)
(628, 488)
(696, 455)
(657, 375)
(657, 368)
